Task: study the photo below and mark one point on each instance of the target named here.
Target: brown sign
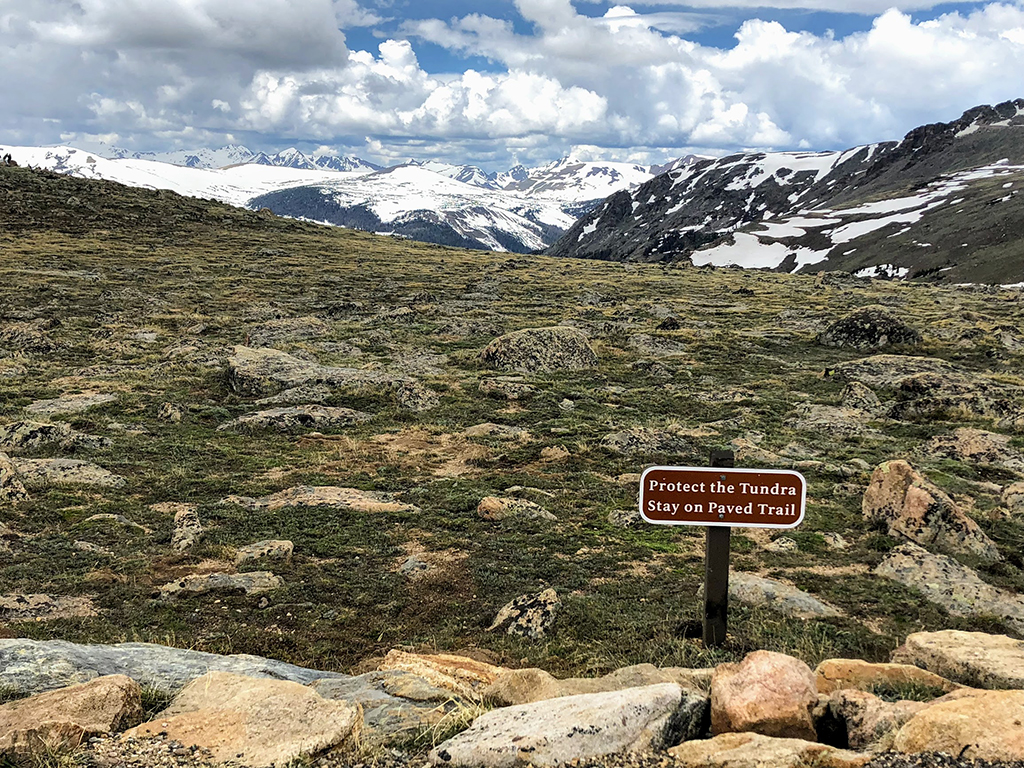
(736, 498)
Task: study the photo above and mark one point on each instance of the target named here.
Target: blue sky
(499, 82)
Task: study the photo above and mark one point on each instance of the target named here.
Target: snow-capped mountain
(234, 154)
(943, 202)
(575, 181)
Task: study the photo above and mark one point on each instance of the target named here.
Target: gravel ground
(120, 752)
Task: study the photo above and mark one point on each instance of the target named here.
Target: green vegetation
(143, 294)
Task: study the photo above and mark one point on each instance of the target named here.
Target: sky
(501, 82)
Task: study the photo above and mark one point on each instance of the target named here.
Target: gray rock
(250, 583)
(270, 549)
(40, 473)
(26, 435)
(11, 488)
(583, 727)
(414, 566)
(529, 616)
(976, 446)
(781, 598)
(781, 544)
(557, 348)
(972, 658)
(287, 330)
(868, 328)
(34, 666)
(861, 397)
(69, 404)
(641, 441)
(188, 529)
(951, 585)
(867, 718)
(939, 396)
(625, 518)
(296, 418)
(305, 394)
(828, 419)
(1013, 497)
(887, 371)
(508, 387)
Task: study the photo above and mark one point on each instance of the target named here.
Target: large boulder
(256, 722)
(70, 403)
(34, 666)
(545, 350)
(939, 396)
(911, 506)
(767, 693)
(951, 585)
(752, 750)
(188, 529)
(971, 658)
(868, 328)
(985, 726)
(28, 435)
(1013, 498)
(581, 727)
(63, 719)
(886, 371)
(524, 686)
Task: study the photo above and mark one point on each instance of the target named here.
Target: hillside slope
(942, 203)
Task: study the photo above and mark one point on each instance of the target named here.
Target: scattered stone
(781, 598)
(188, 529)
(296, 418)
(860, 397)
(951, 585)
(1013, 496)
(257, 722)
(913, 507)
(305, 394)
(581, 727)
(29, 338)
(828, 419)
(11, 488)
(935, 397)
(108, 518)
(867, 719)
(747, 451)
(641, 441)
(976, 446)
(324, 496)
(842, 674)
(835, 541)
(48, 723)
(545, 350)
(28, 435)
(270, 549)
(781, 544)
(19, 607)
(288, 329)
(752, 750)
(985, 726)
(252, 583)
(971, 658)
(767, 693)
(457, 675)
(868, 328)
(529, 616)
(508, 387)
(69, 404)
(171, 412)
(414, 566)
(625, 518)
(495, 508)
(524, 686)
(34, 666)
(653, 346)
(92, 549)
(41, 473)
(886, 371)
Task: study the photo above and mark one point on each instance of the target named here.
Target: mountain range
(942, 203)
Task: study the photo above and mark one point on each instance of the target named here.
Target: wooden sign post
(720, 498)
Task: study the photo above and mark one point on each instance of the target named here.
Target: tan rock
(768, 693)
(753, 750)
(324, 496)
(251, 583)
(1013, 498)
(869, 719)
(985, 726)
(11, 488)
(458, 674)
(839, 674)
(976, 446)
(525, 686)
(64, 718)
(495, 508)
(270, 549)
(255, 722)
(972, 658)
(915, 508)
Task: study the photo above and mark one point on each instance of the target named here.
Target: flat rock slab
(250, 583)
(63, 719)
(295, 419)
(776, 596)
(577, 728)
(70, 404)
(324, 496)
(972, 658)
(955, 587)
(257, 722)
(985, 726)
(270, 549)
(27, 435)
(460, 675)
(41, 473)
(752, 750)
(44, 607)
(33, 666)
(888, 370)
(844, 674)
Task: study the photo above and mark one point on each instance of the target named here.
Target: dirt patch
(442, 455)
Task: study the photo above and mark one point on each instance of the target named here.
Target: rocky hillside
(233, 433)
(941, 204)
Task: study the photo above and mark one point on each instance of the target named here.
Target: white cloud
(863, 7)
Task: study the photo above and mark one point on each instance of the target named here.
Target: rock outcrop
(296, 418)
(324, 496)
(541, 350)
(971, 658)
(986, 726)
(868, 328)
